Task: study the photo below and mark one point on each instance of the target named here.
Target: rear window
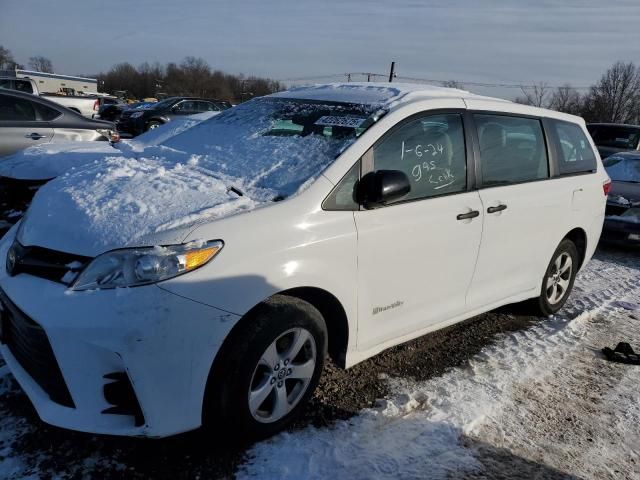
(622, 168)
(575, 154)
(616, 136)
(46, 113)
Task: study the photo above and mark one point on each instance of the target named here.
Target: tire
(249, 398)
(558, 279)
(153, 124)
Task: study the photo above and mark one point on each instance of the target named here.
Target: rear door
(21, 125)
(524, 209)
(416, 255)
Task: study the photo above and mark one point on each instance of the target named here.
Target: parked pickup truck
(87, 105)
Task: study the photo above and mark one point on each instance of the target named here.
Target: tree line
(192, 77)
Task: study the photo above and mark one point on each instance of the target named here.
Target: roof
(382, 94)
(30, 73)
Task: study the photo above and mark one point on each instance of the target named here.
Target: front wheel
(267, 369)
(558, 279)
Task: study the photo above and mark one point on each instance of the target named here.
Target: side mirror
(382, 186)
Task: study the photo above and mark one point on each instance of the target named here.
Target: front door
(416, 256)
(20, 125)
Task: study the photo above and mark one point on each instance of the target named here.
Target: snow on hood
(122, 201)
(267, 149)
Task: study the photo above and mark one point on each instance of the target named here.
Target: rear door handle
(499, 208)
(468, 215)
(34, 136)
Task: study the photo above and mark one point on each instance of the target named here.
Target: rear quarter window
(575, 154)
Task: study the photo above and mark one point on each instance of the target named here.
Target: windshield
(275, 143)
(618, 137)
(623, 169)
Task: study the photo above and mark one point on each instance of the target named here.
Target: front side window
(24, 86)
(430, 150)
(575, 154)
(512, 149)
(16, 109)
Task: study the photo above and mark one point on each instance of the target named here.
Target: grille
(44, 263)
(30, 346)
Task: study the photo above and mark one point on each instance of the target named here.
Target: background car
(612, 138)
(112, 111)
(27, 120)
(137, 121)
(622, 221)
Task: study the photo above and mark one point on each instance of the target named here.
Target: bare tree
(535, 95)
(453, 84)
(566, 99)
(6, 59)
(41, 64)
(616, 96)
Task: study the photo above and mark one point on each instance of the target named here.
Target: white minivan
(204, 280)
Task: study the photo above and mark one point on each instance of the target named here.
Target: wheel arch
(579, 238)
(329, 307)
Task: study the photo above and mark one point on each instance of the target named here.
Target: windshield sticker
(335, 121)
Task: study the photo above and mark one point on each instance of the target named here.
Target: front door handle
(499, 208)
(34, 136)
(468, 215)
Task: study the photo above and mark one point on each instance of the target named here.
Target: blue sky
(495, 41)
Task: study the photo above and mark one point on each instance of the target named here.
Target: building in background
(54, 83)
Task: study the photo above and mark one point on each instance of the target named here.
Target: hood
(128, 202)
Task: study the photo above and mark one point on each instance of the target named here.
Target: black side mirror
(382, 186)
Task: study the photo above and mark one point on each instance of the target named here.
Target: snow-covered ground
(539, 403)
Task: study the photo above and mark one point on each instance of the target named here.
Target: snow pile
(121, 200)
(48, 160)
(164, 132)
(539, 403)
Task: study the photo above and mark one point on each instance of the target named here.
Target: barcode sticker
(335, 121)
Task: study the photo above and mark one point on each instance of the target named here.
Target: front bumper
(621, 232)
(162, 343)
(132, 126)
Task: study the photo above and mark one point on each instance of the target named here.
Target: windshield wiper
(235, 190)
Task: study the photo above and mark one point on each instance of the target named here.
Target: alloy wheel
(559, 278)
(282, 375)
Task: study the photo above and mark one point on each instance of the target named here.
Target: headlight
(132, 267)
(137, 114)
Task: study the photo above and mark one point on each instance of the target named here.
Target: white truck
(87, 105)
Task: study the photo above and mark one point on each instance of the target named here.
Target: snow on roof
(382, 94)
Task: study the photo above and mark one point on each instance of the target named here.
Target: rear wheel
(267, 369)
(558, 279)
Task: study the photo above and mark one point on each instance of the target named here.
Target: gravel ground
(49, 452)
